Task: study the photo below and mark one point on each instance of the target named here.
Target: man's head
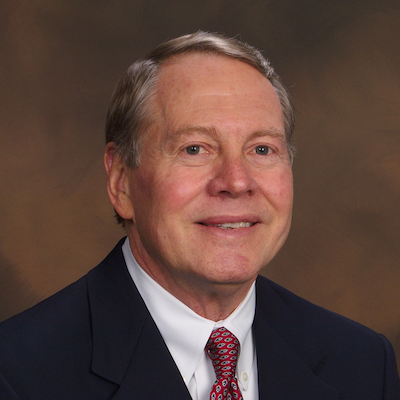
(129, 111)
(210, 202)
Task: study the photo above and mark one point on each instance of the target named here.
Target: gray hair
(128, 114)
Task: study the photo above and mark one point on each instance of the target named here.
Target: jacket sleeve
(6, 391)
(391, 386)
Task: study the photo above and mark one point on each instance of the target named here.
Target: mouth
(233, 225)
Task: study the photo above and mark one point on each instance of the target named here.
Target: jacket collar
(116, 322)
(127, 346)
(287, 355)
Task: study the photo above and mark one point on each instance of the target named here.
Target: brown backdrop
(59, 61)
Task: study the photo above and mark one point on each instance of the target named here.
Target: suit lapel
(127, 346)
(129, 350)
(287, 355)
(152, 373)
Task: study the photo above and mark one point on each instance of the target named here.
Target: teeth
(235, 225)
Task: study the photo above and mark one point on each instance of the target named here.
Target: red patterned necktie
(223, 348)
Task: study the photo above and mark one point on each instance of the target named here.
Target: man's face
(212, 197)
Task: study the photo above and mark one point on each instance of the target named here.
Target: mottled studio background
(59, 61)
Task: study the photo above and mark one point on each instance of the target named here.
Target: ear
(118, 182)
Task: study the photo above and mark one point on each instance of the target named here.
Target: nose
(232, 178)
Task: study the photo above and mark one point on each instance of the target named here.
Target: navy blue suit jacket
(96, 340)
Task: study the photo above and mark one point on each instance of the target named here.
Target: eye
(193, 150)
(195, 154)
(262, 150)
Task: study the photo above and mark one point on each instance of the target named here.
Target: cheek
(278, 189)
(169, 192)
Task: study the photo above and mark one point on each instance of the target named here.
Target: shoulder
(318, 319)
(62, 315)
(46, 341)
(353, 359)
(343, 341)
(55, 337)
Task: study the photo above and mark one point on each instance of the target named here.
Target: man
(198, 160)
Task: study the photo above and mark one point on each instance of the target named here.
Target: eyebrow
(274, 132)
(212, 132)
(189, 129)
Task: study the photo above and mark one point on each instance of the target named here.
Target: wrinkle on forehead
(209, 91)
(197, 70)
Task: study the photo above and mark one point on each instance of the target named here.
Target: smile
(234, 225)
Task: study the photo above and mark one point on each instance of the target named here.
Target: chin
(234, 270)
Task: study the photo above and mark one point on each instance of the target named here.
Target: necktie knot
(223, 350)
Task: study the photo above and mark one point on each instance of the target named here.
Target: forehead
(211, 73)
(191, 66)
(213, 90)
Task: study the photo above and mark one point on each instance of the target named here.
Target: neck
(214, 302)
(209, 299)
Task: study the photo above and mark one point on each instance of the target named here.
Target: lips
(230, 222)
(234, 225)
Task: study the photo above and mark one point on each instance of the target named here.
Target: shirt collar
(186, 333)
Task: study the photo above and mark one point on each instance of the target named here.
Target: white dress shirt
(186, 334)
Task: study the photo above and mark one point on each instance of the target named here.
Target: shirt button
(245, 377)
